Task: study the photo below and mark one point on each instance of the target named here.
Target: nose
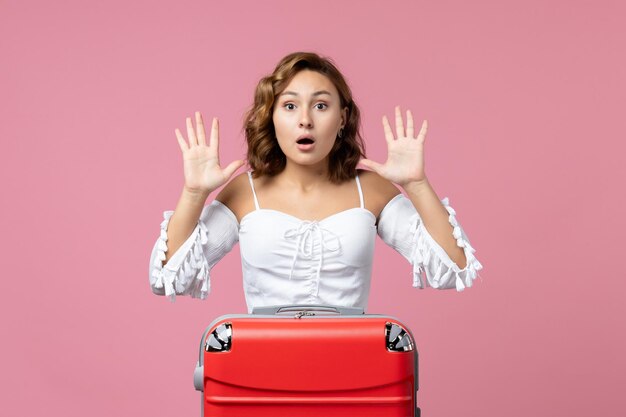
(305, 120)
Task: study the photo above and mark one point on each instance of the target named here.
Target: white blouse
(287, 260)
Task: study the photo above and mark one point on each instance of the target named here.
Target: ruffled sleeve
(401, 227)
(188, 270)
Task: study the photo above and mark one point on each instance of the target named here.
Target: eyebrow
(317, 93)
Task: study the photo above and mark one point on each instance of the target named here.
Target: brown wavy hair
(264, 155)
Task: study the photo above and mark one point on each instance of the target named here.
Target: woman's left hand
(405, 158)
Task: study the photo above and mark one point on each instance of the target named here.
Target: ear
(344, 117)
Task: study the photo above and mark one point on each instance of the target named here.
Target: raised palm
(405, 154)
(203, 173)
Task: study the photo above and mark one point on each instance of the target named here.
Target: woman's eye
(319, 106)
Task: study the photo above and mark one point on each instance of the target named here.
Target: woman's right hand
(203, 173)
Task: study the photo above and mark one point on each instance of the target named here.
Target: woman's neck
(304, 177)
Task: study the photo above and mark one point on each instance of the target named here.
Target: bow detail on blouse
(307, 233)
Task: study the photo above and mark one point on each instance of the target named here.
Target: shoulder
(233, 188)
(376, 186)
(377, 191)
(234, 194)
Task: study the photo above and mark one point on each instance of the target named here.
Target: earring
(340, 133)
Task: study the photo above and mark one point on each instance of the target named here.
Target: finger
(409, 124)
(232, 167)
(399, 123)
(374, 166)
(214, 140)
(387, 128)
(191, 134)
(181, 141)
(422, 135)
(200, 129)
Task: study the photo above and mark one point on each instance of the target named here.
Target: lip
(306, 135)
(307, 146)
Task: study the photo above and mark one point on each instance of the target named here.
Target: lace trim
(181, 281)
(427, 250)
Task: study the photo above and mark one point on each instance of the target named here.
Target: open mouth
(305, 141)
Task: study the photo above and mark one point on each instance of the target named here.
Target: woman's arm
(435, 218)
(203, 175)
(194, 237)
(184, 220)
(405, 167)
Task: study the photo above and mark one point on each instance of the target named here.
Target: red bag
(307, 361)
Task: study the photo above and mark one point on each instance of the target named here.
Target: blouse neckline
(298, 219)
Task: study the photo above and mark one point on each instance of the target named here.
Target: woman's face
(310, 107)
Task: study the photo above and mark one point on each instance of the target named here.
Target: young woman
(305, 217)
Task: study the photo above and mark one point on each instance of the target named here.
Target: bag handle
(295, 308)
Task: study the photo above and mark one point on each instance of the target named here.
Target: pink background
(525, 103)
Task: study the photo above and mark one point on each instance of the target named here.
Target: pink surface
(526, 137)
